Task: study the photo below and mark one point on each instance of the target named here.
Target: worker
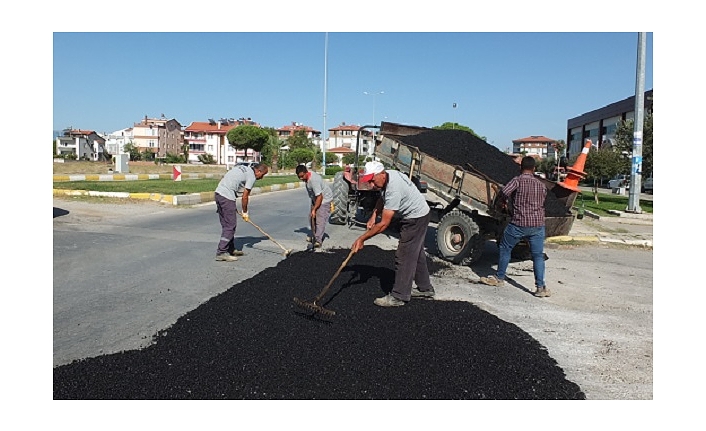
(400, 198)
(321, 196)
(236, 182)
(523, 196)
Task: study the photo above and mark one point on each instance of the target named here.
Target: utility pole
(636, 165)
(453, 125)
(323, 132)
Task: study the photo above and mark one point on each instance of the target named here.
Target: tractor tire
(458, 238)
(340, 189)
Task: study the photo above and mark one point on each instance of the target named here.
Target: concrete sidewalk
(624, 228)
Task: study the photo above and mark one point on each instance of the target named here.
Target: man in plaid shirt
(524, 196)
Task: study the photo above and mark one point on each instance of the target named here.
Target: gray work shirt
(401, 195)
(235, 181)
(316, 186)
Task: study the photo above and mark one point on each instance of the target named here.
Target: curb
(190, 199)
(598, 238)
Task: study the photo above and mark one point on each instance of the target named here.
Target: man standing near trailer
(321, 196)
(400, 197)
(524, 196)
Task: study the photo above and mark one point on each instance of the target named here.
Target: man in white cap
(400, 197)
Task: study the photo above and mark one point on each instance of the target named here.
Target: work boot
(492, 280)
(388, 301)
(542, 292)
(226, 257)
(237, 253)
(416, 293)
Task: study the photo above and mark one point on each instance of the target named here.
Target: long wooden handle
(340, 268)
(265, 233)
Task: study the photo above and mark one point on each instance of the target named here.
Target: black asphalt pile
(461, 148)
(253, 342)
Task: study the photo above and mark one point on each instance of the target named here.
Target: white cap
(371, 168)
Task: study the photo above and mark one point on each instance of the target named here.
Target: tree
(456, 126)
(602, 163)
(624, 142)
(270, 151)
(302, 155)
(246, 137)
(299, 139)
(133, 151)
(330, 157)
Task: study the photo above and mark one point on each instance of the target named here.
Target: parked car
(647, 185)
(249, 164)
(619, 181)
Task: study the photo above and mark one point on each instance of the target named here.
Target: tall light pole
(323, 143)
(636, 165)
(374, 95)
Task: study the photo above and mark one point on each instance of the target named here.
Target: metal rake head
(314, 308)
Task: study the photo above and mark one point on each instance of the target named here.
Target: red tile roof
(533, 139)
(340, 150)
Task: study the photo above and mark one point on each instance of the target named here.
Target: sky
(505, 85)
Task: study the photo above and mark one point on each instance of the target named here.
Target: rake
(286, 250)
(313, 306)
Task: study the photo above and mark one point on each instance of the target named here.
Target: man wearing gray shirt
(400, 197)
(321, 196)
(237, 181)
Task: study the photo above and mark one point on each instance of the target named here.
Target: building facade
(346, 136)
(600, 125)
(158, 136)
(537, 146)
(115, 142)
(210, 137)
(84, 144)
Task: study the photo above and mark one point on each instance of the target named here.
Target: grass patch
(608, 202)
(167, 187)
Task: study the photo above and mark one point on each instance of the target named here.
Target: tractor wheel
(458, 238)
(340, 189)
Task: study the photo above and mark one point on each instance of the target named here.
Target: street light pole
(374, 95)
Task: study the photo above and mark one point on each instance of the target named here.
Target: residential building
(210, 137)
(537, 146)
(284, 132)
(600, 124)
(115, 142)
(339, 153)
(85, 144)
(159, 136)
(346, 136)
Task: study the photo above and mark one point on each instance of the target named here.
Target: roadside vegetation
(607, 202)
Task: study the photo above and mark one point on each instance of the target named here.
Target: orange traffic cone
(576, 173)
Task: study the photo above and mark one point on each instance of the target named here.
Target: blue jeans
(514, 234)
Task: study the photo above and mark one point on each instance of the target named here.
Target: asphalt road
(124, 271)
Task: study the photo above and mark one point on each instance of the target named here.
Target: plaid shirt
(526, 195)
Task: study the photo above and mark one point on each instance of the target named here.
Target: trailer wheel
(340, 189)
(458, 238)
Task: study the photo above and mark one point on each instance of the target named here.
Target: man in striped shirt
(524, 197)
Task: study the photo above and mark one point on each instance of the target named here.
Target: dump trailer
(461, 175)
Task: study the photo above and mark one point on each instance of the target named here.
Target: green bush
(207, 159)
(331, 170)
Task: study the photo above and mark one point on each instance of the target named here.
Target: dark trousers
(227, 211)
(410, 258)
(322, 215)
